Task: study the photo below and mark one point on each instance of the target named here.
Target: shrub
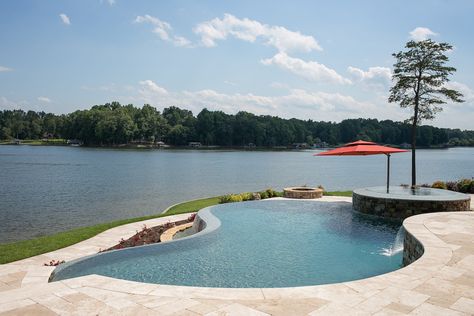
(439, 185)
(452, 186)
(224, 199)
(247, 196)
(464, 185)
(271, 193)
(236, 198)
(471, 186)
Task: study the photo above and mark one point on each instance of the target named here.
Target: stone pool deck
(441, 282)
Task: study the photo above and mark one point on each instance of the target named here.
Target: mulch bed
(147, 235)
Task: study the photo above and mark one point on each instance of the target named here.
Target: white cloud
(65, 19)
(248, 30)
(468, 93)
(6, 104)
(4, 69)
(181, 41)
(297, 103)
(163, 30)
(151, 88)
(310, 70)
(230, 83)
(421, 34)
(111, 2)
(44, 99)
(379, 77)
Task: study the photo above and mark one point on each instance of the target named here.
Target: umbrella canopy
(363, 148)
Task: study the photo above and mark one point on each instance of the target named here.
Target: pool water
(276, 243)
(399, 190)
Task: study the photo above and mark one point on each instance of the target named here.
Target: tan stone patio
(441, 282)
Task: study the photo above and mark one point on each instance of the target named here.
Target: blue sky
(320, 60)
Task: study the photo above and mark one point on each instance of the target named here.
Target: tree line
(114, 124)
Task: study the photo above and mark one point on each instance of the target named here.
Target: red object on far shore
(364, 148)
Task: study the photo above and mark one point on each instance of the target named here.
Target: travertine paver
(169, 233)
(441, 282)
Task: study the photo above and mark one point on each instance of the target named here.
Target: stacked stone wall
(401, 209)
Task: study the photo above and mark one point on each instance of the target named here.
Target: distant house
(299, 145)
(16, 141)
(194, 144)
(251, 145)
(321, 145)
(47, 136)
(160, 144)
(405, 145)
(74, 142)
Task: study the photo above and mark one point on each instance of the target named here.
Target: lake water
(44, 190)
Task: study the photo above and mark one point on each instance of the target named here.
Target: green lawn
(192, 206)
(339, 193)
(51, 141)
(24, 249)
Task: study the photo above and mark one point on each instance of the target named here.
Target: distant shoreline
(203, 147)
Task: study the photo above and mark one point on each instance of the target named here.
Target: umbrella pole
(388, 171)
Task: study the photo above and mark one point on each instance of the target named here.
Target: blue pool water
(275, 243)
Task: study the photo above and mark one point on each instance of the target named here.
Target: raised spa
(403, 202)
(278, 243)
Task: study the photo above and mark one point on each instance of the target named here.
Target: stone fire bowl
(302, 193)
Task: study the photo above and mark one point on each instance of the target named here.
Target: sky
(319, 60)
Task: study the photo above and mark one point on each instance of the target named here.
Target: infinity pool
(276, 243)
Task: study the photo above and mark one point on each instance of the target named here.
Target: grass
(51, 141)
(192, 206)
(28, 248)
(339, 193)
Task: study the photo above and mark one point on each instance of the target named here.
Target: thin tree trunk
(413, 153)
(413, 131)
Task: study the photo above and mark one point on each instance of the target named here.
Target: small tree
(420, 75)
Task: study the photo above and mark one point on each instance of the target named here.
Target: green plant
(271, 193)
(471, 187)
(264, 195)
(247, 196)
(439, 185)
(225, 199)
(464, 185)
(236, 198)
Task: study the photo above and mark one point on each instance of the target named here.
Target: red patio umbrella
(363, 148)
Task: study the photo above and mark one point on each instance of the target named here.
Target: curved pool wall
(204, 223)
(400, 203)
(258, 244)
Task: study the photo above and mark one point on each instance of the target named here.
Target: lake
(44, 190)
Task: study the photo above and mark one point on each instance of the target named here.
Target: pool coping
(451, 196)
(409, 287)
(168, 234)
